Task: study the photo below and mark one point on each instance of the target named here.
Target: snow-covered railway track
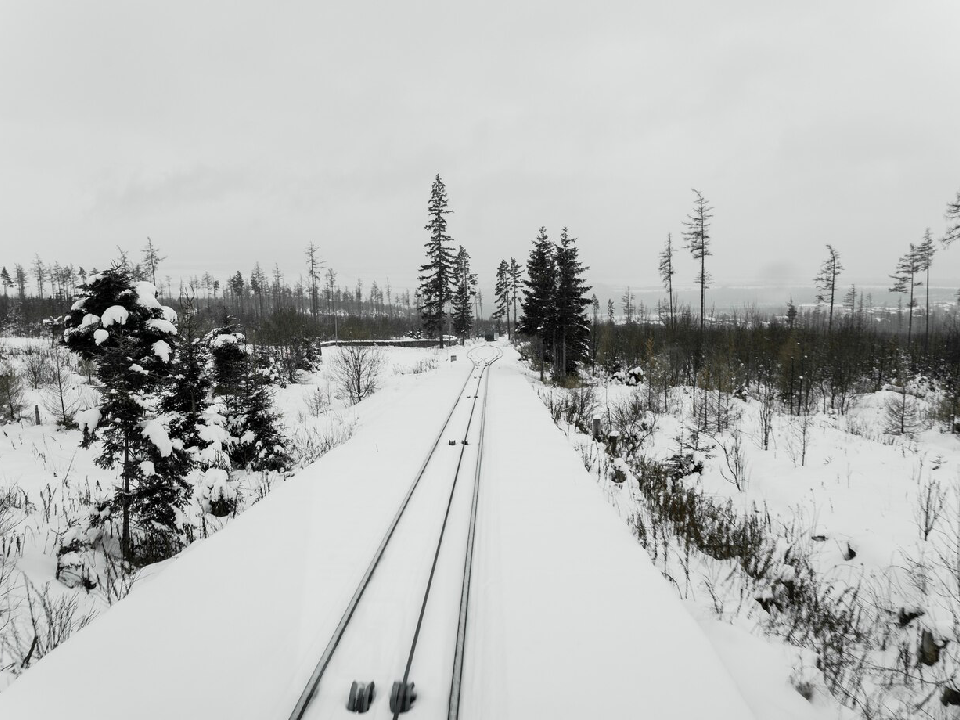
(415, 590)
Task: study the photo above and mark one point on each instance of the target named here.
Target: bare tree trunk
(125, 538)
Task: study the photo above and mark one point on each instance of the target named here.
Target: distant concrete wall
(399, 342)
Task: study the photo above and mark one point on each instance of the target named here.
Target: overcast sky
(232, 132)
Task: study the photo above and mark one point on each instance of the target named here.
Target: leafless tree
(63, 396)
(356, 371)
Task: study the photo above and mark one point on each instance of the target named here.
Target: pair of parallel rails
(403, 692)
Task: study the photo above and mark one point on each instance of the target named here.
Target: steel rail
(314, 682)
(456, 683)
(446, 516)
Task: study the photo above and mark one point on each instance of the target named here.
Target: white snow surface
(157, 434)
(147, 295)
(164, 326)
(87, 419)
(89, 319)
(162, 350)
(114, 314)
(569, 619)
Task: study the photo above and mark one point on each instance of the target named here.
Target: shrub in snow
(901, 413)
(64, 395)
(75, 567)
(356, 371)
(216, 493)
(53, 618)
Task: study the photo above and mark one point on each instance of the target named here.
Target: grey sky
(232, 132)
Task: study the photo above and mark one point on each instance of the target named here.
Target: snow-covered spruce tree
(571, 301)
(195, 423)
(436, 274)
(121, 325)
(464, 288)
(256, 442)
(538, 306)
(501, 293)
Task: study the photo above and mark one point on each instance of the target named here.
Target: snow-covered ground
(851, 500)
(569, 617)
(48, 483)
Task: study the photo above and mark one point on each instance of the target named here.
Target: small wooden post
(36, 414)
(596, 427)
(612, 439)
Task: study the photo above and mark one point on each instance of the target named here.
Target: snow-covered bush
(216, 493)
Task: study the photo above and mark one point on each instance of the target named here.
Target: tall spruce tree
(697, 235)
(21, 279)
(826, 281)
(925, 253)
(667, 272)
(905, 281)
(501, 293)
(516, 282)
(121, 324)
(436, 275)
(187, 399)
(464, 289)
(571, 301)
(538, 301)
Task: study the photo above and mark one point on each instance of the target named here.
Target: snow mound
(162, 350)
(164, 326)
(154, 431)
(87, 419)
(115, 314)
(147, 295)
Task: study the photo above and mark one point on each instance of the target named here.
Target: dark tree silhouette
(436, 274)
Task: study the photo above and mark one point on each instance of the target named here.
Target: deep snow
(569, 617)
